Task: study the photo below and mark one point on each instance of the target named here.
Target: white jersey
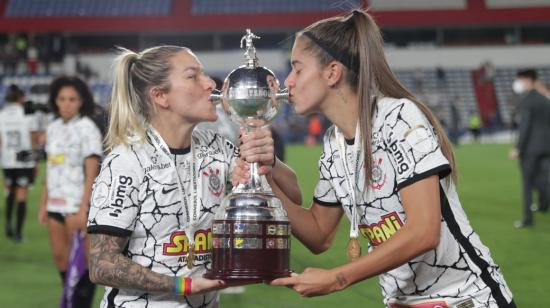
(137, 194)
(67, 146)
(405, 149)
(15, 135)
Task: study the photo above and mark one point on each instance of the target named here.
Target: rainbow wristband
(182, 286)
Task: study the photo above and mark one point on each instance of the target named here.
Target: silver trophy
(251, 232)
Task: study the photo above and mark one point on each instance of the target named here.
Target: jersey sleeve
(91, 140)
(114, 204)
(412, 145)
(1, 121)
(49, 133)
(324, 193)
(32, 122)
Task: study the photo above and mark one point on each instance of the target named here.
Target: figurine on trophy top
(250, 52)
(251, 93)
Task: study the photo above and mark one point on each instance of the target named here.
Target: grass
(489, 188)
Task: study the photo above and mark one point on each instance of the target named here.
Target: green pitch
(489, 189)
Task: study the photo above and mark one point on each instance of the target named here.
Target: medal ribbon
(351, 181)
(190, 214)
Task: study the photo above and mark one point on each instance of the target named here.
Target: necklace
(354, 247)
(190, 214)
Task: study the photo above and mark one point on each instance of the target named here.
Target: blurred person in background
(388, 166)
(18, 139)
(315, 128)
(474, 125)
(154, 200)
(32, 60)
(74, 147)
(454, 125)
(9, 58)
(533, 146)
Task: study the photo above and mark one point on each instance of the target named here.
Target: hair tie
(133, 60)
(341, 57)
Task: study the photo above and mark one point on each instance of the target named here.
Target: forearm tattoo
(341, 280)
(109, 267)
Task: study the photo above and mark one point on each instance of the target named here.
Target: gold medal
(190, 256)
(354, 249)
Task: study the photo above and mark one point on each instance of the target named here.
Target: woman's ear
(158, 97)
(333, 73)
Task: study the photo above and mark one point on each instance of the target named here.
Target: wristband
(182, 286)
(187, 286)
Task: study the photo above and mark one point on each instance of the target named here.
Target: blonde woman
(158, 189)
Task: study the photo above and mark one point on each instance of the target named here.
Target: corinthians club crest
(215, 184)
(377, 177)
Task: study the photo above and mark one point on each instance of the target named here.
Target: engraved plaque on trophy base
(250, 251)
(250, 239)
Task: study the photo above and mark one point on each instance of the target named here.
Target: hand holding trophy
(251, 232)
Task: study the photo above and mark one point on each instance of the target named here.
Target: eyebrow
(193, 68)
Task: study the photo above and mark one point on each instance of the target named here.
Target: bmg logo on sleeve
(119, 190)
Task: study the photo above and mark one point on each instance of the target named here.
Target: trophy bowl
(252, 96)
(251, 231)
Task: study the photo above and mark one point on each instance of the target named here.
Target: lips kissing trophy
(251, 232)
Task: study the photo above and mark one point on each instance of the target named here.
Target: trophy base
(245, 277)
(248, 266)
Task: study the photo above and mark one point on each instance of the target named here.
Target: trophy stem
(256, 183)
(255, 177)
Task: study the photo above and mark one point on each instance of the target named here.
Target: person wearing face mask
(533, 148)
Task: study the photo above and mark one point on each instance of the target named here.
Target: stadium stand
(209, 7)
(458, 83)
(36, 88)
(64, 8)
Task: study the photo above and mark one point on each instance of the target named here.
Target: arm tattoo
(342, 282)
(109, 267)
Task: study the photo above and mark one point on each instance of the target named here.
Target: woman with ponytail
(158, 189)
(389, 168)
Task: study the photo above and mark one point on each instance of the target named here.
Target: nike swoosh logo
(166, 191)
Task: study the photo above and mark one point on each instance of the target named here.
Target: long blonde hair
(134, 75)
(356, 37)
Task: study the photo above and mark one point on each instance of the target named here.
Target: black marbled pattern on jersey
(405, 150)
(137, 195)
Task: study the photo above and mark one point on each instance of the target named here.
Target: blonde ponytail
(130, 106)
(123, 118)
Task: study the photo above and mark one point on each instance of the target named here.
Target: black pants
(534, 171)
